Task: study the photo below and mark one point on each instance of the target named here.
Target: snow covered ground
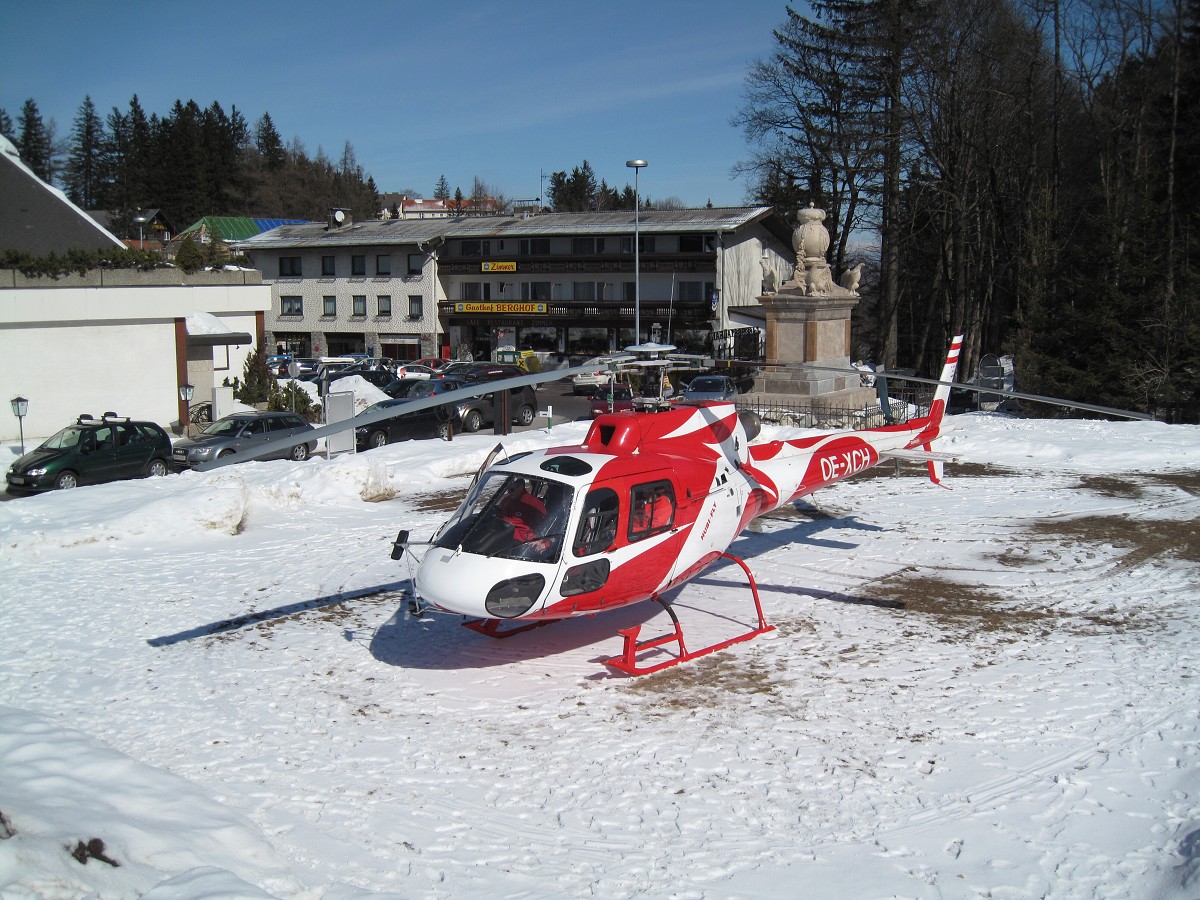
(211, 686)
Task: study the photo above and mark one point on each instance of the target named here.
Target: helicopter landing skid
(627, 662)
(492, 627)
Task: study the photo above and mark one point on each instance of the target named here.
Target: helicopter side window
(598, 523)
(652, 508)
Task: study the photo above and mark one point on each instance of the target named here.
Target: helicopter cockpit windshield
(510, 516)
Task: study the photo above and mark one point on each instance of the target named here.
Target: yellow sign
(492, 307)
(499, 267)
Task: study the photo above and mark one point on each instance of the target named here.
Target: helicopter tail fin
(931, 426)
(942, 395)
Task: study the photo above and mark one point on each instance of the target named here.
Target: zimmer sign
(466, 306)
(498, 267)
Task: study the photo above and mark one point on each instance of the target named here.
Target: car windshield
(224, 427)
(382, 404)
(706, 384)
(66, 439)
(511, 516)
(620, 392)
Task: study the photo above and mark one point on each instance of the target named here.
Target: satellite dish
(339, 216)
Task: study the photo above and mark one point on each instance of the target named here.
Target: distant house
(39, 219)
(140, 229)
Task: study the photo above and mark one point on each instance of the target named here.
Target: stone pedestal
(803, 328)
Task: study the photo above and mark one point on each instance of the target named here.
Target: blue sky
(504, 91)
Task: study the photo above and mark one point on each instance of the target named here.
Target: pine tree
(6, 126)
(442, 190)
(85, 169)
(34, 143)
(269, 144)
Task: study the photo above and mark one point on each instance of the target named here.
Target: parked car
(378, 377)
(587, 382)
(704, 388)
(307, 365)
(612, 398)
(474, 413)
(92, 451)
(399, 387)
(414, 370)
(403, 426)
(243, 432)
(486, 371)
(437, 363)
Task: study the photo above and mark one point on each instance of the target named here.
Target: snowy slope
(983, 691)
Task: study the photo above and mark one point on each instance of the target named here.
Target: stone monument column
(808, 320)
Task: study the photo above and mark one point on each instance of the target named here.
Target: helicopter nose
(463, 584)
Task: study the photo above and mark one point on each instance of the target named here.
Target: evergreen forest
(190, 163)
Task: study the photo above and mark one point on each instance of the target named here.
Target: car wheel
(525, 415)
(224, 453)
(472, 421)
(157, 468)
(300, 453)
(66, 481)
(377, 439)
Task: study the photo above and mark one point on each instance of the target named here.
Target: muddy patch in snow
(1145, 539)
(708, 681)
(443, 501)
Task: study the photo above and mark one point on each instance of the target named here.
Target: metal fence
(905, 404)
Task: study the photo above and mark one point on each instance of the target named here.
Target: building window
(695, 291)
(645, 245)
(536, 291)
(416, 306)
(584, 291)
(291, 306)
(328, 268)
(585, 246)
(289, 267)
(691, 243)
(360, 304)
(330, 308)
(383, 264)
(629, 291)
(416, 263)
(384, 304)
(476, 248)
(534, 246)
(358, 266)
(474, 291)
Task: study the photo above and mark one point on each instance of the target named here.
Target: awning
(206, 330)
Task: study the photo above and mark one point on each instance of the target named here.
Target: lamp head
(20, 406)
(636, 163)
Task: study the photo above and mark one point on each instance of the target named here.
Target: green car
(90, 452)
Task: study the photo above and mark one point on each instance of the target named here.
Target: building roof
(413, 231)
(237, 228)
(39, 219)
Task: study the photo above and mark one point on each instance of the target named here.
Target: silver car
(707, 388)
(586, 382)
(244, 432)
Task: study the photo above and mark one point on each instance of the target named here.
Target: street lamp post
(637, 165)
(20, 407)
(185, 394)
(141, 220)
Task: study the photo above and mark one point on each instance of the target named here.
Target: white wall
(75, 350)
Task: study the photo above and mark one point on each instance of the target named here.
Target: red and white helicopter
(646, 502)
